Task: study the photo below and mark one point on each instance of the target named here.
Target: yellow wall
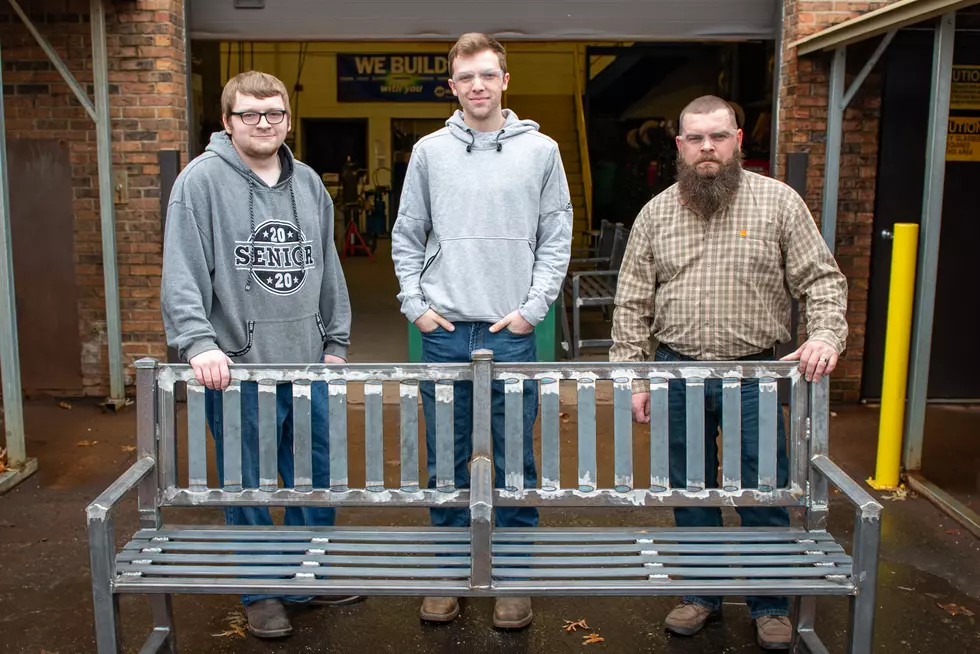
(535, 68)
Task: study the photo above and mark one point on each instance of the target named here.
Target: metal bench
(804, 562)
(598, 255)
(592, 288)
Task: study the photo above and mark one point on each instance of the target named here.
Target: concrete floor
(45, 596)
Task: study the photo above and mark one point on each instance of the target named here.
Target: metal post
(932, 213)
(895, 376)
(20, 467)
(481, 473)
(835, 133)
(100, 73)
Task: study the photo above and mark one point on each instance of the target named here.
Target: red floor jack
(353, 241)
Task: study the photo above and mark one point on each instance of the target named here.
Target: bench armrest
(869, 507)
(110, 497)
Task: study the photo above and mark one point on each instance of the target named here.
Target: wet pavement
(45, 596)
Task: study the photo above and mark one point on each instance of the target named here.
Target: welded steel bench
(804, 562)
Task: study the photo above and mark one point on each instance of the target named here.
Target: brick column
(803, 93)
(148, 105)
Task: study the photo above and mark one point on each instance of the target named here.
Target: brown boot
(688, 618)
(512, 612)
(773, 631)
(267, 619)
(439, 609)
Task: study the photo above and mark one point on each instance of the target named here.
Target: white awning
(564, 20)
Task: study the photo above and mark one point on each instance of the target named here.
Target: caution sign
(965, 90)
(963, 139)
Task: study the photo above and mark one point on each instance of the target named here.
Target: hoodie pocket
(479, 279)
(299, 340)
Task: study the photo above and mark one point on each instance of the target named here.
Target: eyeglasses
(486, 76)
(251, 118)
(717, 138)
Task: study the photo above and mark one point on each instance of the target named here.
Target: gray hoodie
(249, 269)
(484, 226)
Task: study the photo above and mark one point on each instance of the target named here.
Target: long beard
(706, 194)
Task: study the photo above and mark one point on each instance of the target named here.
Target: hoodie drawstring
(469, 148)
(251, 234)
(500, 146)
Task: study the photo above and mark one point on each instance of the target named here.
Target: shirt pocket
(757, 260)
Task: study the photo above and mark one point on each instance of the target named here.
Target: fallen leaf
(65, 405)
(236, 626)
(572, 626)
(955, 609)
(900, 495)
(128, 448)
(3, 459)
(953, 532)
(86, 443)
(592, 638)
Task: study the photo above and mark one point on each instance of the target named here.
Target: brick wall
(147, 97)
(803, 90)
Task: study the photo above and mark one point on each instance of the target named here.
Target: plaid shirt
(720, 289)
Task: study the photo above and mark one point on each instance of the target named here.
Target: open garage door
(571, 20)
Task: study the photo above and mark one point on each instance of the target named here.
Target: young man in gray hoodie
(481, 246)
(251, 275)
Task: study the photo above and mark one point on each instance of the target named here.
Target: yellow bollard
(901, 294)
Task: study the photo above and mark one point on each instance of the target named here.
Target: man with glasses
(481, 246)
(709, 272)
(251, 275)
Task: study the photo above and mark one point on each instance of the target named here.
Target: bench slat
(278, 571)
(273, 546)
(409, 394)
(338, 434)
(768, 413)
(301, 533)
(587, 475)
(272, 559)
(231, 420)
(445, 436)
(731, 434)
(659, 447)
(302, 391)
(733, 573)
(550, 438)
(374, 463)
(623, 434)
(268, 472)
(695, 434)
(197, 454)
(582, 548)
(513, 434)
(692, 560)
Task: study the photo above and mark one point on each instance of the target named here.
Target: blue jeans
(441, 346)
(751, 516)
(259, 515)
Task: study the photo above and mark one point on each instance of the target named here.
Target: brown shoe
(688, 618)
(267, 619)
(512, 612)
(439, 609)
(773, 631)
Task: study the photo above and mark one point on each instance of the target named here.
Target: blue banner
(393, 78)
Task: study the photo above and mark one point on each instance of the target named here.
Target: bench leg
(163, 621)
(805, 640)
(105, 602)
(867, 539)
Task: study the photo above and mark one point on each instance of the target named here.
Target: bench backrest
(160, 437)
(607, 229)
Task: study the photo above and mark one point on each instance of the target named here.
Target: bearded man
(709, 272)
